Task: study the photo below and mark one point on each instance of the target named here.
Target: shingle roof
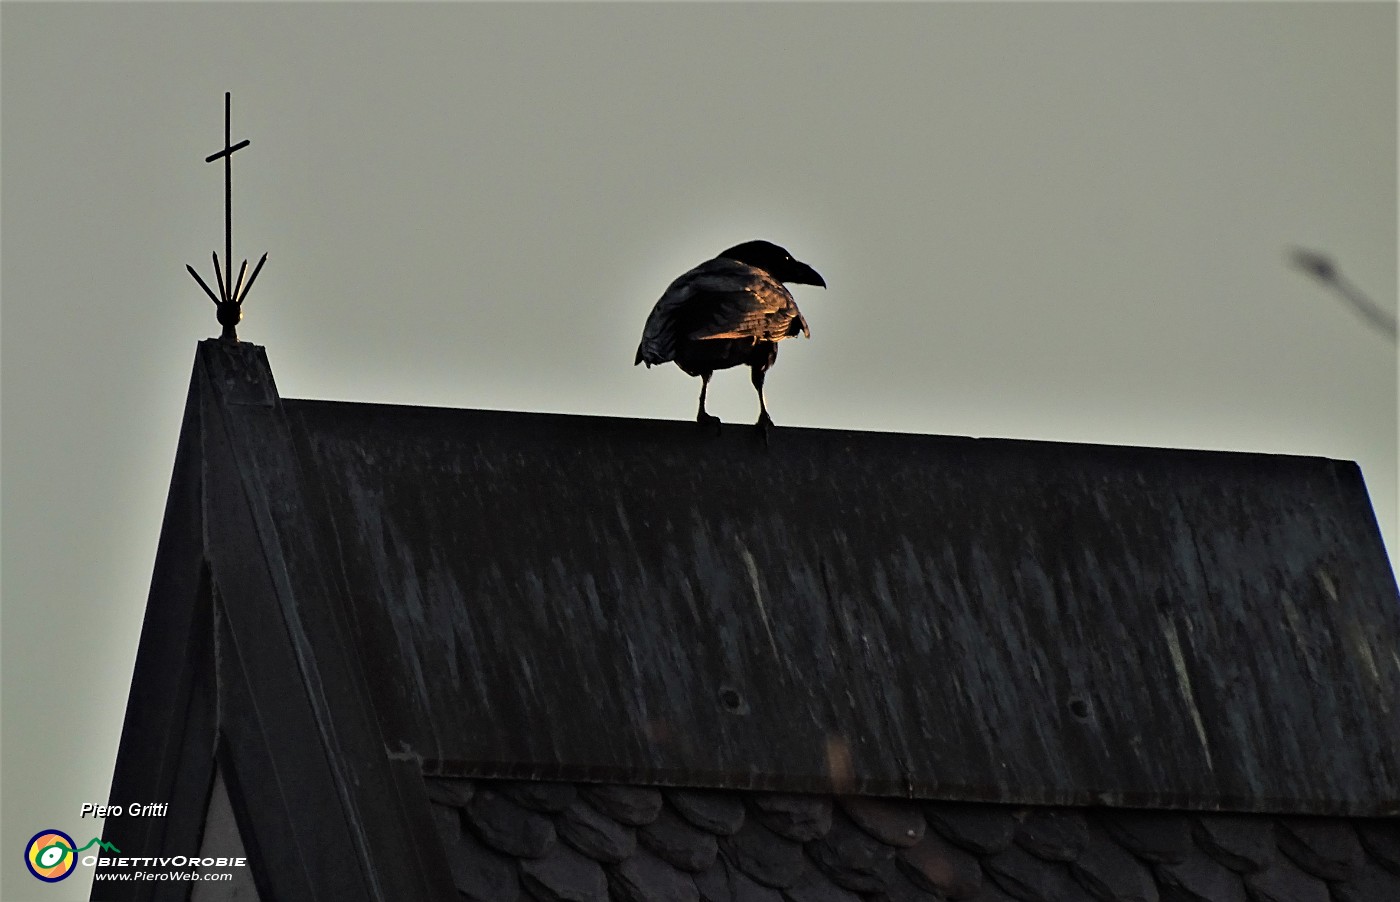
(645, 629)
(551, 841)
(1011, 621)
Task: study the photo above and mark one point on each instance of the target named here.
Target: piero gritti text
(135, 809)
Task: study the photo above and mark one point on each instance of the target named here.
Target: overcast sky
(1049, 221)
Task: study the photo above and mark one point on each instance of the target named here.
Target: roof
(349, 597)
(1009, 621)
(509, 840)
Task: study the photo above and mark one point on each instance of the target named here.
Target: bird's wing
(667, 322)
(735, 300)
(720, 298)
(766, 313)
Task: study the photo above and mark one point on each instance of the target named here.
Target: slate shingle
(1161, 837)
(765, 856)
(813, 886)
(901, 890)
(678, 842)
(595, 834)
(1029, 878)
(1055, 834)
(1241, 842)
(984, 829)
(1112, 874)
(507, 827)
(801, 818)
(724, 882)
(447, 791)
(479, 873)
(1381, 838)
(1285, 882)
(937, 865)
(853, 858)
(541, 796)
(721, 813)
(895, 822)
(1369, 884)
(631, 805)
(991, 892)
(1199, 878)
(645, 878)
(564, 875)
(1324, 847)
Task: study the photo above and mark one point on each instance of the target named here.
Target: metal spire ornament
(229, 301)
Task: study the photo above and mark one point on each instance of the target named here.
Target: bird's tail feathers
(651, 354)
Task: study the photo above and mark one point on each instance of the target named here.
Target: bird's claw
(708, 422)
(764, 425)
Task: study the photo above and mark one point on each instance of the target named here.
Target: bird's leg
(764, 420)
(702, 418)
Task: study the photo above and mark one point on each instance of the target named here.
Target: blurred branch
(1321, 267)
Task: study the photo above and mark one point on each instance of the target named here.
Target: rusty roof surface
(584, 598)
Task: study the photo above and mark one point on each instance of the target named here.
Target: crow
(725, 312)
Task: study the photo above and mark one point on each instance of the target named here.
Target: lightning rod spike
(256, 269)
(207, 290)
(238, 286)
(219, 274)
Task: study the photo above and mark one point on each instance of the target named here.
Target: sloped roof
(1020, 622)
(349, 597)
(509, 840)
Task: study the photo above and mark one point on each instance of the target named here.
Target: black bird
(725, 312)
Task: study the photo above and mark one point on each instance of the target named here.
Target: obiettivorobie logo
(51, 855)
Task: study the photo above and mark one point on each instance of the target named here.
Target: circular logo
(49, 855)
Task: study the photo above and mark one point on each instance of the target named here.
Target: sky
(1061, 221)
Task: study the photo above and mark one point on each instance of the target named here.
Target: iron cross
(229, 300)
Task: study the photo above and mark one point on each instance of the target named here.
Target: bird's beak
(803, 274)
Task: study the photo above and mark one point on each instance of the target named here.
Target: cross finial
(229, 300)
